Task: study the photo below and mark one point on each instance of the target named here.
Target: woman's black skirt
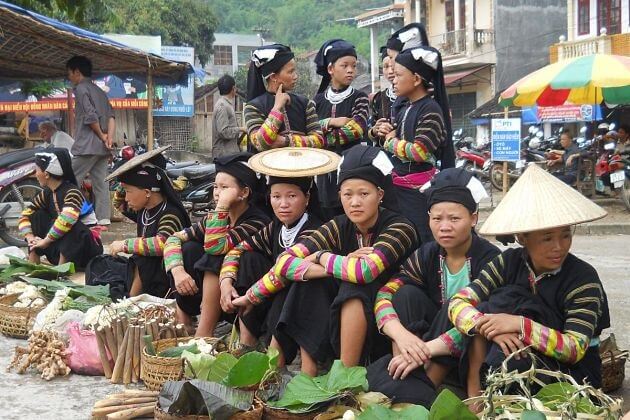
(376, 345)
(414, 206)
(304, 319)
(152, 275)
(78, 245)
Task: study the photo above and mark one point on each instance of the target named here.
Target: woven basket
(156, 370)
(613, 370)
(270, 413)
(16, 322)
(256, 413)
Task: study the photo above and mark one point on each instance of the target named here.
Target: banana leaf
(196, 397)
(249, 370)
(304, 393)
(379, 412)
(448, 406)
(50, 287)
(19, 266)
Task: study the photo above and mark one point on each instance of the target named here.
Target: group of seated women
(358, 287)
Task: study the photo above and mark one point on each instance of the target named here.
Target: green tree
(182, 22)
(71, 11)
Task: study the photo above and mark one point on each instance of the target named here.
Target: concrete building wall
(524, 30)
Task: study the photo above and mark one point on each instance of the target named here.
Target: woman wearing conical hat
(539, 294)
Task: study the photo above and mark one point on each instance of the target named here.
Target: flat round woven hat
(135, 161)
(294, 162)
(539, 201)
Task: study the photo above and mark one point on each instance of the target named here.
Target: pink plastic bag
(83, 355)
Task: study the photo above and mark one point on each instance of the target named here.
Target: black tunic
(79, 245)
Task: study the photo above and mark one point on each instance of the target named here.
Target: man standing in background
(225, 129)
(94, 132)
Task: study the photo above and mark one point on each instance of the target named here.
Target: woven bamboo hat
(294, 162)
(539, 201)
(135, 161)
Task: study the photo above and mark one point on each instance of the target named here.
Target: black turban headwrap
(370, 164)
(236, 165)
(265, 61)
(427, 63)
(56, 161)
(383, 51)
(451, 185)
(330, 52)
(151, 175)
(412, 35)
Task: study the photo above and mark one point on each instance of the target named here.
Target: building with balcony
(486, 45)
(594, 26)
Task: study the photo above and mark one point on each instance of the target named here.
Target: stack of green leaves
(304, 393)
(20, 267)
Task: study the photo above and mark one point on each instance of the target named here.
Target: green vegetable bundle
(20, 267)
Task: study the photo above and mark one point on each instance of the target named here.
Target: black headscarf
(151, 175)
(265, 61)
(370, 164)
(56, 161)
(453, 185)
(427, 63)
(330, 52)
(383, 51)
(236, 165)
(409, 36)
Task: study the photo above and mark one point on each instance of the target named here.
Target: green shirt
(456, 282)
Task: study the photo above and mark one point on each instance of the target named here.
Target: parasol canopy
(591, 79)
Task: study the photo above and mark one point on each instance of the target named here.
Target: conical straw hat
(135, 161)
(294, 162)
(539, 201)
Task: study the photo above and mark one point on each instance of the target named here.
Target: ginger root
(45, 352)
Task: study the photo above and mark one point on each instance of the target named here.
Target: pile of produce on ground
(46, 352)
(29, 295)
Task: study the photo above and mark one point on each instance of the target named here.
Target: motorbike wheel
(625, 193)
(496, 176)
(26, 189)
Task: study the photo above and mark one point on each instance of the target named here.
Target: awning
(33, 46)
(451, 79)
(372, 17)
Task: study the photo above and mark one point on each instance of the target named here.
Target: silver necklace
(390, 94)
(338, 97)
(287, 235)
(148, 220)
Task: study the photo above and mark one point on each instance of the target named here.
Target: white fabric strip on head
(263, 55)
(430, 58)
(382, 163)
(54, 167)
(408, 35)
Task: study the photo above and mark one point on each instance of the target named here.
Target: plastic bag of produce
(83, 351)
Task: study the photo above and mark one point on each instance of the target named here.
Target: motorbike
(475, 161)
(18, 188)
(530, 153)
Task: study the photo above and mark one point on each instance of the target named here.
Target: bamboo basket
(16, 322)
(613, 370)
(270, 413)
(156, 370)
(256, 413)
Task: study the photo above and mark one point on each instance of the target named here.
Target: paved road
(29, 397)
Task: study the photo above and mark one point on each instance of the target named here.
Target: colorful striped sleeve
(219, 237)
(168, 225)
(291, 264)
(429, 134)
(383, 309)
(173, 245)
(583, 309)
(389, 247)
(354, 130)
(24, 222)
(461, 308)
(410, 273)
(454, 341)
(314, 137)
(72, 203)
(260, 242)
(262, 129)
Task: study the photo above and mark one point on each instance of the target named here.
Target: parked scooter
(475, 161)
(18, 188)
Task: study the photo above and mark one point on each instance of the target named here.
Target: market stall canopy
(33, 46)
(591, 79)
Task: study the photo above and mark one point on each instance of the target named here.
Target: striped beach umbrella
(590, 79)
